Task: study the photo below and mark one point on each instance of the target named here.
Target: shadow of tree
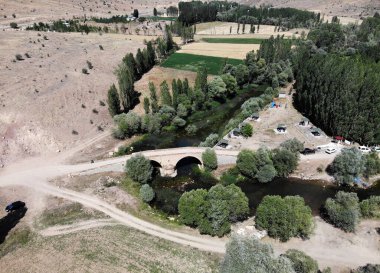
(10, 221)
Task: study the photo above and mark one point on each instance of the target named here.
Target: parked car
(330, 150)
(308, 151)
(15, 206)
(376, 149)
(364, 149)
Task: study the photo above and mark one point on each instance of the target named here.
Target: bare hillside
(47, 103)
(26, 11)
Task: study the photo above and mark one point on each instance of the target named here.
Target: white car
(376, 149)
(330, 150)
(364, 149)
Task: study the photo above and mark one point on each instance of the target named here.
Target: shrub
(369, 268)
(284, 218)
(209, 159)
(95, 111)
(246, 130)
(372, 164)
(101, 103)
(89, 65)
(284, 161)
(213, 211)
(210, 141)
(127, 125)
(84, 71)
(246, 254)
(19, 57)
(146, 193)
(344, 210)
(231, 176)
(301, 262)
(246, 163)
(151, 123)
(167, 199)
(192, 207)
(347, 166)
(178, 122)
(293, 145)
(191, 129)
(266, 173)
(74, 132)
(139, 169)
(13, 25)
(370, 208)
(101, 47)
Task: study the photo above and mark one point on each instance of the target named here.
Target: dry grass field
(233, 51)
(45, 98)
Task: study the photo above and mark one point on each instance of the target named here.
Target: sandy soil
(233, 51)
(334, 248)
(53, 96)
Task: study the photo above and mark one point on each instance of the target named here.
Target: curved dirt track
(83, 225)
(37, 178)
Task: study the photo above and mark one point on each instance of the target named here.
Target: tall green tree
(140, 62)
(201, 79)
(113, 101)
(153, 98)
(166, 98)
(151, 54)
(146, 105)
(175, 93)
(126, 86)
(130, 61)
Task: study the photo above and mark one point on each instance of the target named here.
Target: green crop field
(233, 40)
(192, 62)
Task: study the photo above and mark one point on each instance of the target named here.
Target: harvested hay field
(191, 62)
(230, 29)
(222, 50)
(233, 40)
(106, 249)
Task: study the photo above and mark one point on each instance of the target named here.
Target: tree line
(198, 12)
(132, 68)
(61, 26)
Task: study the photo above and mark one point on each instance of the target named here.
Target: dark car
(15, 206)
(308, 151)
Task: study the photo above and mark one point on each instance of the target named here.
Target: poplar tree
(166, 98)
(175, 93)
(201, 79)
(151, 54)
(153, 98)
(113, 101)
(126, 86)
(146, 105)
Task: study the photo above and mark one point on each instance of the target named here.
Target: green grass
(17, 238)
(191, 62)
(67, 215)
(160, 18)
(233, 40)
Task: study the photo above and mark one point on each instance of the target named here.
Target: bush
(209, 159)
(213, 211)
(369, 268)
(84, 71)
(284, 161)
(139, 169)
(246, 130)
(210, 141)
(301, 262)
(89, 65)
(178, 122)
(284, 218)
(372, 164)
(146, 193)
(231, 176)
(266, 173)
(370, 208)
(191, 129)
(344, 210)
(246, 163)
(127, 125)
(246, 254)
(347, 166)
(13, 25)
(293, 145)
(192, 207)
(19, 57)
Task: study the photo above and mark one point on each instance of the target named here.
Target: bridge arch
(188, 160)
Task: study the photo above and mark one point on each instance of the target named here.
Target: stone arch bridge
(167, 160)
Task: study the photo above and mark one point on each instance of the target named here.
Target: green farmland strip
(191, 62)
